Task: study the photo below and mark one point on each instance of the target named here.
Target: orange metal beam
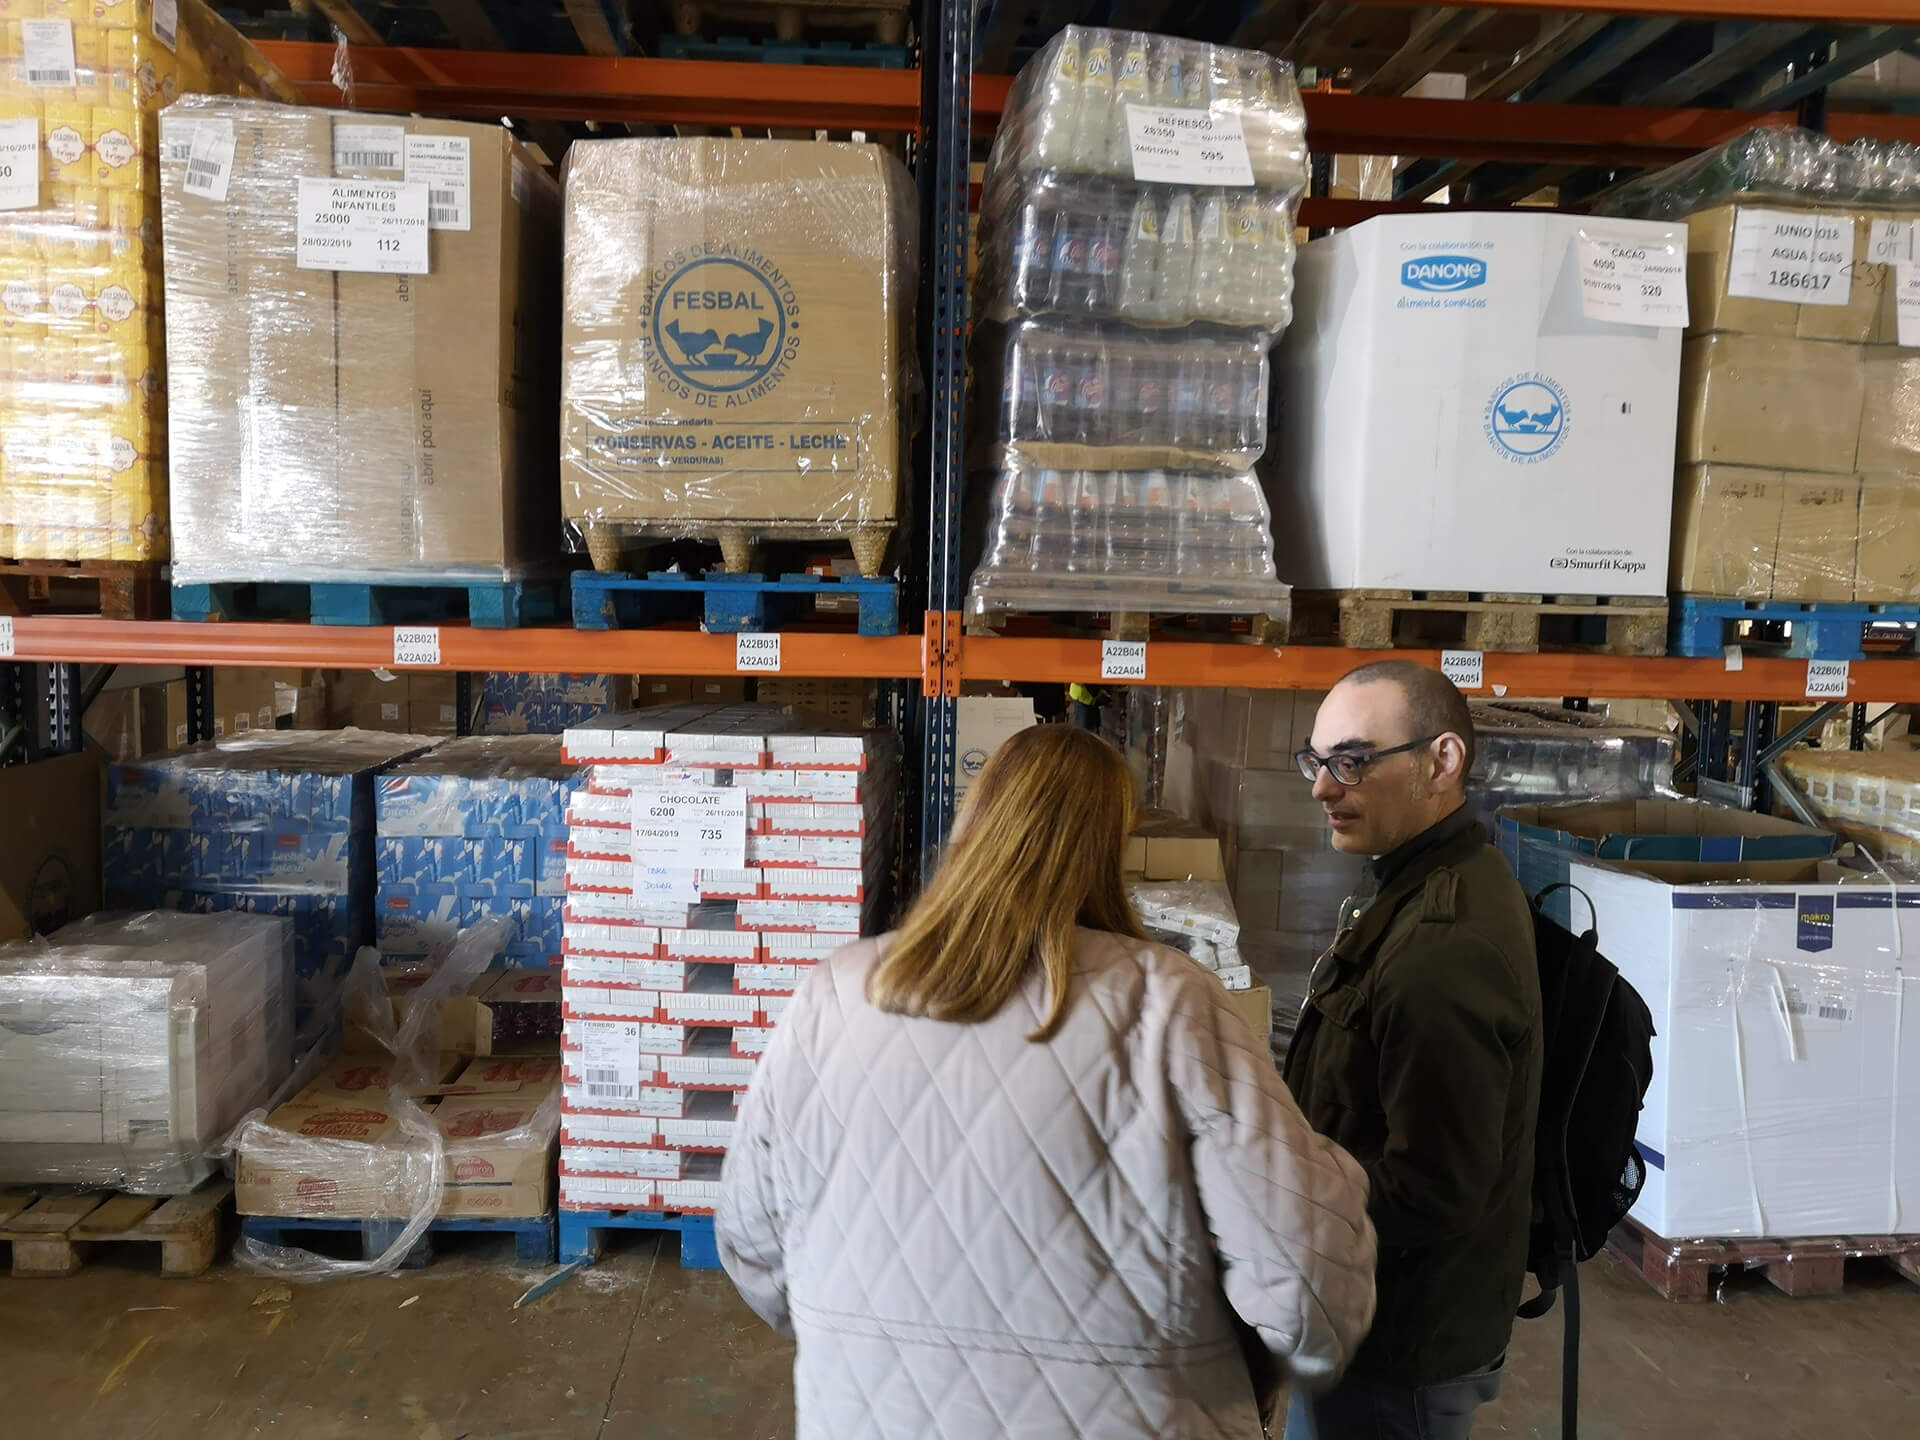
(489, 84)
(1302, 667)
(87, 640)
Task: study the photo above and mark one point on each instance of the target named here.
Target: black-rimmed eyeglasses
(1350, 767)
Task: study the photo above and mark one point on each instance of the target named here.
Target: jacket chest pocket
(1345, 1063)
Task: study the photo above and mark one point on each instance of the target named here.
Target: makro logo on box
(1443, 273)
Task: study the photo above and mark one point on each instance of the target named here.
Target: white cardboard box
(1451, 420)
(1786, 1068)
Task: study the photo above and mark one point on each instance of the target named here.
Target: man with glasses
(1419, 1051)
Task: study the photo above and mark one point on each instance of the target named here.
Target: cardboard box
(662, 690)
(332, 1153)
(112, 722)
(478, 1021)
(1489, 438)
(1166, 847)
(1890, 412)
(981, 726)
(243, 701)
(739, 316)
(1887, 566)
(339, 425)
(1726, 530)
(1255, 1006)
(1819, 537)
(1771, 403)
(50, 844)
(1710, 244)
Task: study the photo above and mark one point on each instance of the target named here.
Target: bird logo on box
(724, 323)
(1527, 418)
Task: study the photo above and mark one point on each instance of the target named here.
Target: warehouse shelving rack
(945, 109)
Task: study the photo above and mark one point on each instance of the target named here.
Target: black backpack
(1597, 1052)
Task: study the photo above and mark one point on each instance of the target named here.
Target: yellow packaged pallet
(83, 470)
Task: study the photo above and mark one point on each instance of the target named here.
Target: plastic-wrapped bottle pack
(1127, 297)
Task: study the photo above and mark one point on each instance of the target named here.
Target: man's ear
(1449, 754)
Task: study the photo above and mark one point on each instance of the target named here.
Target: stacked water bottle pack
(674, 976)
(1130, 286)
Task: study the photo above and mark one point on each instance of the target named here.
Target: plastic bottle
(1047, 553)
(1126, 532)
(1173, 285)
(1020, 417)
(1221, 426)
(1012, 545)
(1123, 390)
(1053, 362)
(1149, 422)
(1031, 262)
(1200, 515)
(1250, 552)
(1246, 260)
(1210, 258)
(1092, 411)
(1057, 133)
(1086, 540)
(1069, 284)
(1096, 103)
(1156, 507)
(1141, 260)
(1130, 87)
(1276, 284)
(1186, 406)
(1105, 251)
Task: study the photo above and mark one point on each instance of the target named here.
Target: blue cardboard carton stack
(515, 704)
(277, 822)
(475, 829)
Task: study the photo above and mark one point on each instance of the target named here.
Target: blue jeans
(1358, 1409)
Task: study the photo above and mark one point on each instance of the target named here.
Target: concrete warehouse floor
(638, 1349)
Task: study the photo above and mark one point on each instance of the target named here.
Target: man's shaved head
(1435, 705)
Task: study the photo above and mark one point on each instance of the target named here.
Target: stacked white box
(673, 979)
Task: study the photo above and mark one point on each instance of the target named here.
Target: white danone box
(1786, 1068)
(1451, 419)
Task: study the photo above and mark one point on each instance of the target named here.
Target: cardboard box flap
(1657, 831)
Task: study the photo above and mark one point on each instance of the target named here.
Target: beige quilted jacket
(972, 1235)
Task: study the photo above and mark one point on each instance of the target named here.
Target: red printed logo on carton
(315, 1192)
(473, 1170)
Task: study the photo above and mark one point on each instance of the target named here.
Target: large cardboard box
(1165, 847)
(1726, 530)
(1819, 537)
(982, 724)
(1487, 438)
(1887, 567)
(1710, 250)
(1772, 403)
(334, 425)
(738, 332)
(50, 844)
(1890, 411)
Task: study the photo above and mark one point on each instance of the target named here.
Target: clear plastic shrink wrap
(1121, 354)
(83, 410)
(401, 1132)
(341, 424)
(1546, 755)
(130, 1044)
(475, 829)
(738, 355)
(1799, 447)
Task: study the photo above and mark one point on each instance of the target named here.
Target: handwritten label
(1827, 679)
(19, 164)
(756, 652)
(701, 828)
(1123, 660)
(371, 226)
(416, 644)
(1889, 242)
(210, 161)
(1178, 146)
(1631, 279)
(1801, 259)
(1465, 668)
(6, 636)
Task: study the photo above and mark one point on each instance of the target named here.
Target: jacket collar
(1402, 873)
(1385, 867)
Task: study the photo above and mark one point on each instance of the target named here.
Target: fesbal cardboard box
(1452, 419)
(738, 337)
(340, 424)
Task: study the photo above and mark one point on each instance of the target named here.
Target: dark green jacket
(1419, 1051)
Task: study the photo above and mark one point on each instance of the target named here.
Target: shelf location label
(756, 652)
(1123, 660)
(1465, 668)
(416, 645)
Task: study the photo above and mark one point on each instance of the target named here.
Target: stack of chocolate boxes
(674, 977)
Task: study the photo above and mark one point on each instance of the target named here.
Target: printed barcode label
(440, 217)
(202, 169)
(48, 51)
(369, 160)
(210, 161)
(368, 147)
(1830, 1011)
(444, 164)
(610, 1092)
(441, 197)
(603, 1077)
(166, 22)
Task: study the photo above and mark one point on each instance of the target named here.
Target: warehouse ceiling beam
(1433, 37)
(595, 29)
(1558, 39)
(1851, 53)
(1264, 28)
(1756, 45)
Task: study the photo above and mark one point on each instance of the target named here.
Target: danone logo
(725, 325)
(1442, 273)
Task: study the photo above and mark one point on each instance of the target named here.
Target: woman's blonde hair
(1038, 850)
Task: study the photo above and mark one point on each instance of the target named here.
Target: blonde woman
(1017, 1170)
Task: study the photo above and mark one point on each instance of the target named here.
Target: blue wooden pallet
(785, 52)
(489, 605)
(533, 1240)
(580, 1234)
(1700, 626)
(724, 604)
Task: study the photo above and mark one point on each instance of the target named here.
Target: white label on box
(670, 885)
(369, 147)
(1123, 660)
(1736, 658)
(1906, 296)
(706, 829)
(48, 45)
(1178, 146)
(444, 164)
(166, 23)
(388, 711)
(1465, 668)
(1889, 242)
(19, 164)
(1801, 259)
(416, 645)
(610, 1058)
(1632, 279)
(210, 161)
(756, 652)
(1827, 679)
(6, 636)
(376, 227)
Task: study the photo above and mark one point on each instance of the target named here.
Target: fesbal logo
(724, 324)
(1443, 274)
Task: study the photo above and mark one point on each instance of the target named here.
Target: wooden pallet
(50, 1230)
(111, 589)
(1476, 620)
(1256, 628)
(533, 1238)
(1684, 1270)
(618, 549)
